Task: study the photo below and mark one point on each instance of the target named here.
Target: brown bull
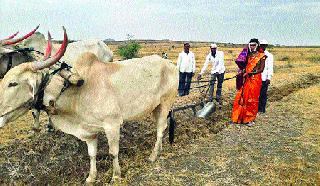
(112, 93)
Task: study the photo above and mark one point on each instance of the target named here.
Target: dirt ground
(281, 149)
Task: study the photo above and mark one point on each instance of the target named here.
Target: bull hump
(90, 65)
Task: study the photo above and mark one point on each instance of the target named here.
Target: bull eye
(13, 84)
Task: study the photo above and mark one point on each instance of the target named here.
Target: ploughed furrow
(305, 81)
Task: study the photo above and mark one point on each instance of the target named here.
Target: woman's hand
(240, 72)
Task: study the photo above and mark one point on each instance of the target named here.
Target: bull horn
(14, 41)
(49, 48)
(48, 62)
(14, 35)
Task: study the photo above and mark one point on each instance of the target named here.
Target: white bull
(98, 47)
(10, 57)
(112, 93)
(74, 50)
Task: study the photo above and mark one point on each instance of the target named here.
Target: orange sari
(246, 102)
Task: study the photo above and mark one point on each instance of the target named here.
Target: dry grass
(282, 149)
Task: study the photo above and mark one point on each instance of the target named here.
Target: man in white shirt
(266, 76)
(187, 66)
(216, 59)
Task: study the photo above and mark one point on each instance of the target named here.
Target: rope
(207, 81)
(203, 89)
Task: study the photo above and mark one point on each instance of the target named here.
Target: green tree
(130, 49)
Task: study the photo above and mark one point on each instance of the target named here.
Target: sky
(284, 22)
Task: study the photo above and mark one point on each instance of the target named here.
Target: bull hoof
(50, 128)
(89, 181)
(91, 178)
(115, 180)
(152, 158)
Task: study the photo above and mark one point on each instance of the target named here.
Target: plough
(207, 108)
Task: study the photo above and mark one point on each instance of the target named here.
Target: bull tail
(172, 125)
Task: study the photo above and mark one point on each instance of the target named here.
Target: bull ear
(32, 88)
(33, 84)
(5, 50)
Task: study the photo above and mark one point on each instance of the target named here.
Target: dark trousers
(215, 77)
(263, 97)
(184, 83)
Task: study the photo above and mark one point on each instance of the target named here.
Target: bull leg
(36, 124)
(92, 151)
(160, 114)
(113, 136)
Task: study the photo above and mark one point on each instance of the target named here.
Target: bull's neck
(38, 101)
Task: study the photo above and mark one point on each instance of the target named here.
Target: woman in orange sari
(245, 106)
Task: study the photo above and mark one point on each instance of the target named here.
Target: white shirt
(217, 63)
(268, 68)
(186, 62)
